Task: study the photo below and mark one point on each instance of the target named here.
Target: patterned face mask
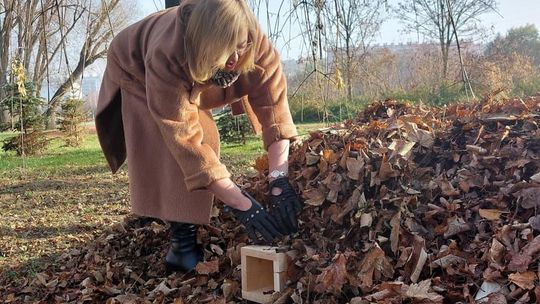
(224, 79)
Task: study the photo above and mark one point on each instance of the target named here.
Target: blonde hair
(212, 34)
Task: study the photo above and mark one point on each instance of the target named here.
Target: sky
(510, 13)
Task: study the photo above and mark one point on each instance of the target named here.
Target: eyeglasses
(242, 51)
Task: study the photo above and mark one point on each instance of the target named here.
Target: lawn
(55, 202)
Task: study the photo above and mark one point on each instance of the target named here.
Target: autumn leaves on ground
(403, 204)
(57, 203)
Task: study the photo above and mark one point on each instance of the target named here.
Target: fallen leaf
(535, 222)
(229, 289)
(366, 220)
(400, 147)
(447, 261)
(314, 197)
(491, 214)
(421, 136)
(374, 266)
(421, 291)
(530, 197)
(208, 267)
(395, 223)
(261, 163)
(417, 260)
(354, 167)
(524, 280)
(334, 276)
(497, 251)
(456, 225)
(476, 149)
(330, 156)
(312, 158)
(496, 298)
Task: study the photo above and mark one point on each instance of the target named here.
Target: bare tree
(101, 22)
(355, 24)
(6, 27)
(432, 19)
(56, 39)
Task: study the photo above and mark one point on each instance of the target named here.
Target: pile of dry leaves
(402, 205)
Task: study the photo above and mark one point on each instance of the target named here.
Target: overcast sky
(511, 13)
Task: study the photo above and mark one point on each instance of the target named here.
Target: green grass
(240, 157)
(59, 158)
(56, 157)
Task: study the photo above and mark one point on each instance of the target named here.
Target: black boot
(184, 253)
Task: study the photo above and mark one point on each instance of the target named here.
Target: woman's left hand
(285, 207)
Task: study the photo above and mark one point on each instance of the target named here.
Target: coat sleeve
(267, 94)
(168, 99)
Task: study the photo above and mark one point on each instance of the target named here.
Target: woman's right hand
(259, 224)
(229, 193)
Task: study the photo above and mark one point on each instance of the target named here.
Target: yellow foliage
(339, 80)
(20, 76)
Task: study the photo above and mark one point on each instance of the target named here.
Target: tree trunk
(5, 44)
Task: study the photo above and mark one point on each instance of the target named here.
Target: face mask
(224, 79)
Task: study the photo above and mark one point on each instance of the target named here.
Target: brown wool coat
(150, 112)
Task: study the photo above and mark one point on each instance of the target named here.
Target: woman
(164, 74)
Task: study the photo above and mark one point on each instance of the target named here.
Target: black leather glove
(286, 206)
(224, 79)
(257, 220)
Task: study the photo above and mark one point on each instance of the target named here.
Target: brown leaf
(535, 222)
(447, 188)
(400, 147)
(420, 291)
(456, 225)
(309, 172)
(162, 288)
(496, 251)
(491, 214)
(366, 220)
(323, 166)
(230, 289)
(330, 156)
(374, 266)
(261, 163)
(530, 197)
(386, 171)
(421, 136)
(315, 143)
(519, 262)
(395, 223)
(476, 149)
(447, 261)
(417, 259)
(126, 299)
(314, 197)
(524, 280)
(334, 276)
(496, 298)
(207, 267)
(354, 167)
(312, 158)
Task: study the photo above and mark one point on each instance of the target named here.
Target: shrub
(24, 108)
(233, 129)
(72, 116)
